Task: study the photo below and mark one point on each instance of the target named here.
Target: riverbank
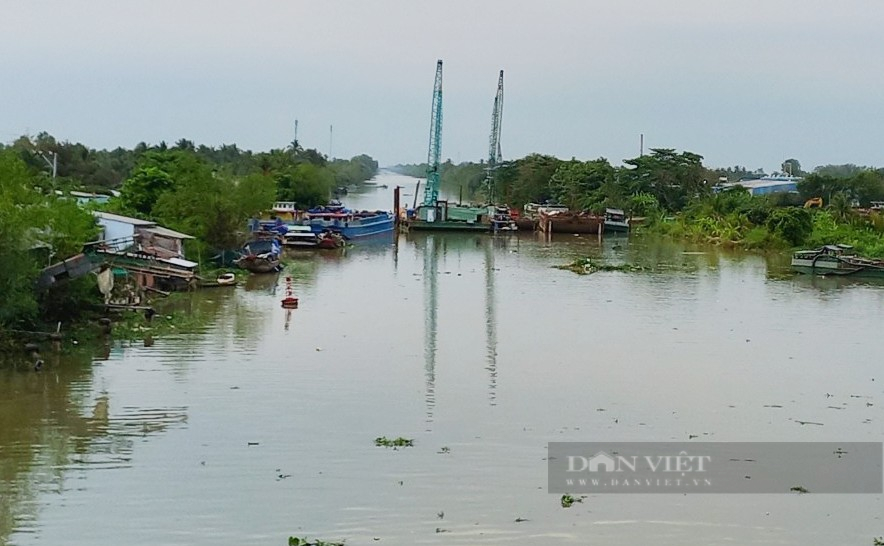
(781, 229)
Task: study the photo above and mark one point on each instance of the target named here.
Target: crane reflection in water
(432, 246)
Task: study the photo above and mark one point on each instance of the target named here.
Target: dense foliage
(677, 195)
(34, 230)
(203, 191)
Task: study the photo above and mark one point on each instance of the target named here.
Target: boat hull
(442, 225)
(569, 223)
(526, 224)
(831, 260)
(616, 227)
(256, 264)
(353, 228)
(842, 270)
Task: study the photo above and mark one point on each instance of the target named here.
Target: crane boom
(494, 154)
(431, 190)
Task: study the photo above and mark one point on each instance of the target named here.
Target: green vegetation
(568, 500)
(675, 194)
(383, 441)
(586, 266)
(35, 229)
(203, 191)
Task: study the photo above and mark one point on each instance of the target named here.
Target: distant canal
(262, 426)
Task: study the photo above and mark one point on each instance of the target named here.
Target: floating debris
(445, 449)
(586, 266)
(297, 541)
(520, 520)
(383, 441)
(568, 500)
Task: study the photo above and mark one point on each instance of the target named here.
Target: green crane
(431, 190)
(494, 155)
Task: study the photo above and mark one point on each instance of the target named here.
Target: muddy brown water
(262, 425)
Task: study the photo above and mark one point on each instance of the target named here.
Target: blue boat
(349, 223)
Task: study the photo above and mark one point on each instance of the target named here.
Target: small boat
(226, 279)
(329, 240)
(298, 236)
(616, 220)
(261, 254)
(836, 260)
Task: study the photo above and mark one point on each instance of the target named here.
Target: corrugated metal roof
(123, 219)
(166, 232)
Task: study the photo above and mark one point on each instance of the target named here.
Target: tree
(141, 191)
(792, 224)
(672, 178)
(792, 167)
(583, 184)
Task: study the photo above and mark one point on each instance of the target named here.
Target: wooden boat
(261, 254)
(556, 221)
(329, 240)
(260, 263)
(836, 260)
(616, 220)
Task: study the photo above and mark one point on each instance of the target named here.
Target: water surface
(262, 425)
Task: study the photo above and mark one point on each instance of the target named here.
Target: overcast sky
(748, 82)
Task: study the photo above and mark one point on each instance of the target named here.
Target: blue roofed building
(775, 183)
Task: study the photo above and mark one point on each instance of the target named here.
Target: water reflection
(431, 310)
(53, 423)
(490, 322)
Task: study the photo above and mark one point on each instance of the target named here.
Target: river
(262, 425)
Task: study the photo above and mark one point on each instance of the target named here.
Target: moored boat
(616, 220)
(563, 221)
(836, 260)
(299, 236)
(350, 224)
(261, 254)
(329, 240)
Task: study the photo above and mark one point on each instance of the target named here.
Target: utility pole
(331, 129)
(52, 164)
(296, 135)
(641, 150)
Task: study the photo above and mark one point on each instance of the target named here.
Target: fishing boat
(261, 254)
(836, 260)
(616, 220)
